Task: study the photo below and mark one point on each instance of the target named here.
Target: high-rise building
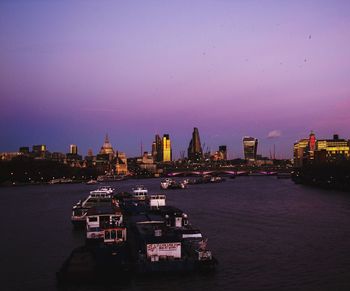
(223, 151)
(24, 150)
(73, 149)
(40, 151)
(157, 150)
(250, 146)
(195, 152)
(166, 148)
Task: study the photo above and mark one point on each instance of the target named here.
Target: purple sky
(72, 71)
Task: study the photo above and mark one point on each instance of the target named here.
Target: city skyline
(72, 72)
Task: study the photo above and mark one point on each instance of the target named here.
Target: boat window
(92, 219)
(113, 234)
(119, 234)
(107, 234)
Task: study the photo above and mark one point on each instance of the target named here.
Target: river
(267, 234)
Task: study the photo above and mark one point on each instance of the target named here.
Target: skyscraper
(73, 149)
(166, 148)
(157, 151)
(195, 152)
(223, 151)
(250, 146)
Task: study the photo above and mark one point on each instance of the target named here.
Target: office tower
(250, 146)
(166, 148)
(195, 152)
(39, 148)
(39, 151)
(73, 149)
(24, 150)
(157, 150)
(223, 151)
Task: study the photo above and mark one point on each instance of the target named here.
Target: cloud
(274, 133)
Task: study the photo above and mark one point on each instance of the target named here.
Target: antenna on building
(141, 149)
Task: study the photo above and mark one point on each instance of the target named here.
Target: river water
(267, 234)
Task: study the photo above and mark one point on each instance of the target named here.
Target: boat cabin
(156, 201)
(100, 218)
(139, 193)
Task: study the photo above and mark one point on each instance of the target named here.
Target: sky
(72, 71)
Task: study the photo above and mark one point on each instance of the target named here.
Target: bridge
(222, 172)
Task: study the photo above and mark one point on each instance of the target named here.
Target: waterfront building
(300, 148)
(250, 147)
(166, 148)
(146, 162)
(8, 156)
(121, 167)
(318, 151)
(330, 150)
(195, 152)
(311, 146)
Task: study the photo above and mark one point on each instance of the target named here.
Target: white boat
(103, 195)
(139, 192)
(91, 182)
(103, 190)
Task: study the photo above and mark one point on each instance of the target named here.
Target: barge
(137, 236)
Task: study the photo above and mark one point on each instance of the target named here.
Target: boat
(139, 193)
(172, 184)
(91, 182)
(105, 223)
(102, 195)
(163, 240)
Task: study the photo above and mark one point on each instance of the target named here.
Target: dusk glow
(73, 71)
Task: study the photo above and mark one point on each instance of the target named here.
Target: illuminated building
(166, 148)
(220, 155)
(73, 149)
(39, 151)
(312, 145)
(223, 151)
(320, 151)
(300, 152)
(250, 146)
(121, 167)
(195, 152)
(146, 162)
(107, 147)
(330, 150)
(8, 156)
(157, 150)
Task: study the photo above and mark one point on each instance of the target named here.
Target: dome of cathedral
(107, 147)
